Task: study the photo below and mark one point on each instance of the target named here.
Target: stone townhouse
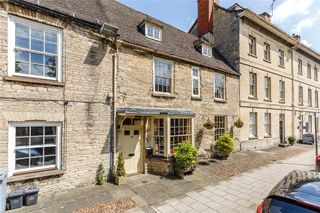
(267, 59)
(71, 82)
(56, 82)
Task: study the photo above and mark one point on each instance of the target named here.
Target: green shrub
(291, 138)
(120, 167)
(185, 155)
(100, 174)
(224, 144)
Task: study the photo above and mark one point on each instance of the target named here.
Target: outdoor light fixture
(108, 29)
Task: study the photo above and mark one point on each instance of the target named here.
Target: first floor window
(282, 91)
(219, 86)
(315, 73)
(309, 97)
(253, 125)
(195, 81)
(252, 84)
(300, 66)
(309, 71)
(267, 124)
(158, 136)
(266, 52)
(180, 131)
(34, 49)
(220, 126)
(34, 146)
(162, 76)
(267, 87)
(252, 45)
(281, 58)
(300, 95)
(316, 94)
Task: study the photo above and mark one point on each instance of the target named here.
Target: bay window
(34, 146)
(180, 131)
(34, 49)
(159, 136)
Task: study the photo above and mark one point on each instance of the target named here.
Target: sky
(301, 17)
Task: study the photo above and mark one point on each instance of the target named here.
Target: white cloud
(306, 23)
(305, 42)
(291, 8)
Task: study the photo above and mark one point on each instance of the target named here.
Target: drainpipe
(292, 87)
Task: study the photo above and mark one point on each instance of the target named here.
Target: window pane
(36, 141)
(37, 70)
(22, 153)
(36, 131)
(51, 36)
(22, 67)
(36, 58)
(22, 164)
(37, 45)
(22, 42)
(22, 131)
(22, 30)
(50, 71)
(49, 161)
(36, 162)
(36, 152)
(50, 60)
(50, 130)
(50, 140)
(37, 33)
(50, 151)
(22, 56)
(22, 141)
(51, 48)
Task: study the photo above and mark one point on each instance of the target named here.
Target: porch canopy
(153, 111)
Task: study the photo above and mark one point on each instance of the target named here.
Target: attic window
(206, 50)
(153, 32)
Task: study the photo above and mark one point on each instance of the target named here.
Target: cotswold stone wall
(80, 103)
(135, 89)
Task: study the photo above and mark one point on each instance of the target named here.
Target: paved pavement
(242, 193)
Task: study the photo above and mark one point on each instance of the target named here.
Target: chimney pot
(266, 16)
(297, 37)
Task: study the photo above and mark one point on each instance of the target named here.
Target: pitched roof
(174, 41)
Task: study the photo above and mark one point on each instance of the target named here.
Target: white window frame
(254, 78)
(12, 147)
(196, 78)
(267, 125)
(154, 75)
(12, 20)
(214, 86)
(206, 50)
(252, 45)
(153, 28)
(254, 134)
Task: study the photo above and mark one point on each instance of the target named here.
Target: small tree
(100, 174)
(185, 155)
(120, 167)
(225, 144)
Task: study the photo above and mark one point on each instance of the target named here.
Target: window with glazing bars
(158, 136)
(220, 126)
(162, 76)
(267, 124)
(180, 131)
(219, 86)
(252, 84)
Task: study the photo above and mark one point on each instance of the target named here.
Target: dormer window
(153, 31)
(206, 50)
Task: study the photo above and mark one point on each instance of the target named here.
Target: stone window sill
(162, 95)
(197, 98)
(268, 61)
(281, 66)
(220, 100)
(252, 55)
(35, 175)
(253, 98)
(267, 100)
(253, 138)
(269, 136)
(33, 80)
(282, 102)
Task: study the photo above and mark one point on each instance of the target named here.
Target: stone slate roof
(174, 41)
(154, 111)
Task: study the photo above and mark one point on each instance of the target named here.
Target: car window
(280, 206)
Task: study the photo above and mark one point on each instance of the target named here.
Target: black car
(298, 192)
(307, 139)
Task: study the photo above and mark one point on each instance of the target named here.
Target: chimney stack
(297, 37)
(205, 16)
(266, 16)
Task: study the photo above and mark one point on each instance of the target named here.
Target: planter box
(15, 200)
(30, 197)
(120, 180)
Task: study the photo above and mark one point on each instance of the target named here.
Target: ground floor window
(159, 136)
(267, 124)
(34, 146)
(253, 125)
(220, 126)
(180, 131)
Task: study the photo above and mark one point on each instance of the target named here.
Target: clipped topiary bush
(120, 167)
(224, 145)
(100, 174)
(185, 155)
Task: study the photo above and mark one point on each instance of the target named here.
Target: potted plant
(209, 124)
(120, 173)
(239, 123)
(185, 158)
(224, 146)
(291, 140)
(100, 174)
